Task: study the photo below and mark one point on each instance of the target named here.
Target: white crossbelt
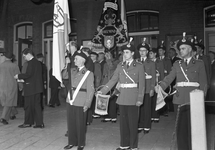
(128, 85)
(182, 84)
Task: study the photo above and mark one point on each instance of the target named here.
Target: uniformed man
(77, 106)
(131, 77)
(159, 75)
(205, 58)
(190, 74)
(150, 71)
(97, 82)
(167, 67)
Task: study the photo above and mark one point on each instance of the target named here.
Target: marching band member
(149, 67)
(77, 105)
(190, 74)
(131, 77)
(167, 68)
(159, 74)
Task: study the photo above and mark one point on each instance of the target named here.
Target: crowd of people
(132, 76)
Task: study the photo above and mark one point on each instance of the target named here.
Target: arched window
(23, 31)
(142, 20)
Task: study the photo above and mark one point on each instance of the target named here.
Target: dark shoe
(140, 130)
(50, 105)
(146, 131)
(39, 126)
(68, 146)
(80, 148)
(113, 120)
(58, 104)
(12, 117)
(106, 120)
(123, 148)
(95, 116)
(156, 121)
(3, 121)
(24, 126)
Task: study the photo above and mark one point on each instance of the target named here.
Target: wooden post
(197, 115)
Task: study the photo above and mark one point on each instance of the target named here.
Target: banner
(61, 30)
(110, 30)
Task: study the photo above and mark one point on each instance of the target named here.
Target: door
(22, 44)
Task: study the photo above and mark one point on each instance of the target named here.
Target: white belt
(148, 77)
(182, 84)
(128, 85)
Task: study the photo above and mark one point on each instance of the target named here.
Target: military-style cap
(144, 45)
(80, 53)
(162, 46)
(8, 55)
(94, 53)
(198, 43)
(129, 46)
(154, 50)
(185, 42)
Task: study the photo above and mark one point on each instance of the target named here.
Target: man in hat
(44, 72)
(155, 116)
(190, 74)
(8, 85)
(149, 67)
(77, 105)
(131, 77)
(205, 58)
(97, 82)
(33, 87)
(167, 67)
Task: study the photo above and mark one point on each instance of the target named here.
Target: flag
(110, 30)
(61, 30)
(124, 18)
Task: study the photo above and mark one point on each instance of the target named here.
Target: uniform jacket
(97, 74)
(8, 85)
(33, 78)
(53, 82)
(167, 65)
(195, 72)
(149, 67)
(207, 62)
(83, 98)
(128, 96)
(159, 69)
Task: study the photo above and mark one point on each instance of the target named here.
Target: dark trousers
(112, 108)
(76, 119)
(33, 110)
(54, 97)
(91, 110)
(183, 128)
(145, 113)
(128, 126)
(155, 114)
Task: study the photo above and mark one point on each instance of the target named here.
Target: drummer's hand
(139, 103)
(85, 108)
(67, 60)
(98, 92)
